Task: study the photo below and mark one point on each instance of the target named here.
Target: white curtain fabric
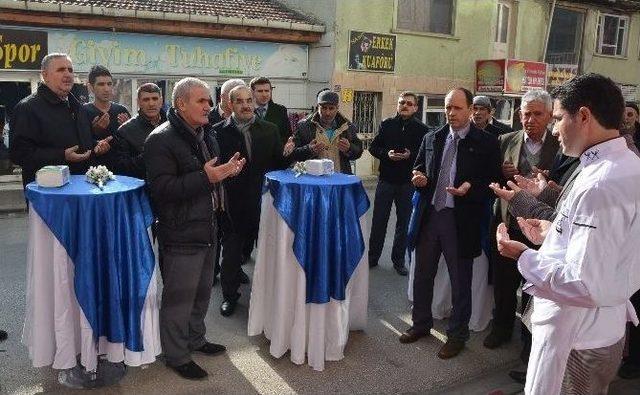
(277, 307)
(481, 293)
(55, 328)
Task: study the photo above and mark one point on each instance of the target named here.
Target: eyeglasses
(406, 103)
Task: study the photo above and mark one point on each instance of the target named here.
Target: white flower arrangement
(99, 175)
(299, 168)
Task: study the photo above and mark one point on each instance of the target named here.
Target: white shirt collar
(600, 151)
(529, 140)
(461, 132)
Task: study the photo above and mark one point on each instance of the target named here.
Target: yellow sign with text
(347, 95)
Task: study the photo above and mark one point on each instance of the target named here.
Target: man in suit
(272, 112)
(269, 111)
(259, 143)
(327, 134)
(222, 111)
(452, 172)
(219, 113)
(523, 153)
(481, 116)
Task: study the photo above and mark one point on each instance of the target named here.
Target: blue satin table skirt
(105, 235)
(323, 212)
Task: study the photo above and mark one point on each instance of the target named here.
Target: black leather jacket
(179, 188)
(42, 127)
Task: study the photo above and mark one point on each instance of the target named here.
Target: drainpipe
(546, 38)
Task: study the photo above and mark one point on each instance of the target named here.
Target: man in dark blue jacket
(454, 167)
(396, 146)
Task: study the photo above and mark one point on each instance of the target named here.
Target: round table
(91, 278)
(310, 284)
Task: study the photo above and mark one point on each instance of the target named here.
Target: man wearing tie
(452, 172)
(269, 111)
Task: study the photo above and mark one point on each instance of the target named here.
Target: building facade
(161, 44)
(382, 48)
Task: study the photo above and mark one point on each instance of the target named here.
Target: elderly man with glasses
(396, 146)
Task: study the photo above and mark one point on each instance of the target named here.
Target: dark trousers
(438, 236)
(386, 195)
(187, 273)
(233, 244)
(634, 335)
(506, 281)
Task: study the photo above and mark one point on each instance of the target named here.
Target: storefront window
(122, 92)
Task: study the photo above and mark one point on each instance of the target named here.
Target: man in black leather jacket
(48, 127)
(184, 182)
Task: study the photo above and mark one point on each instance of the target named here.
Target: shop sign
(490, 76)
(372, 52)
(129, 53)
(22, 49)
(509, 76)
(558, 74)
(522, 76)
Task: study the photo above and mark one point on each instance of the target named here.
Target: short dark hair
(598, 93)
(259, 81)
(149, 87)
(98, 71)
(467, 93)
(409, 93)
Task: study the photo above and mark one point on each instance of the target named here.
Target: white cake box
(319, 167)
(52, 176)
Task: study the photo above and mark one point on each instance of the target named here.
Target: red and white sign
(510, 76)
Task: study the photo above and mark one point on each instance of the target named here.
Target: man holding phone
(396, 146)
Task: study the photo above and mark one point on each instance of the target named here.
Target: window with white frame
(502, 24)
(431, 111)
(612, 36)
(428, 16)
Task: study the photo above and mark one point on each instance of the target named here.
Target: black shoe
(495, 339)
(228, 307)
(3, 336)
(243, 278)
(412, 335)
(401, 270)
(190, 371)
(629, 371)
(211, 349)
(518, 376)
(372, 264)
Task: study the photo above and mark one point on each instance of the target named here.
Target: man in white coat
(587, 267)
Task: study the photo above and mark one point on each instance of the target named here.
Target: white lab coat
(588, 266)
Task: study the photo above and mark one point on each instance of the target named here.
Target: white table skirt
(481, 293)
(55, 328)
(278, 309)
